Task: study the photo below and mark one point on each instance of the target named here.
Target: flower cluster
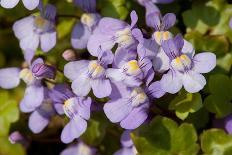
(129, 69)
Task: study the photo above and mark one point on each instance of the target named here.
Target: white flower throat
(138, 96)
(95, 69)
(181, 63)
(70, 107)
(124, 37)
(88, 19)
(27, 76)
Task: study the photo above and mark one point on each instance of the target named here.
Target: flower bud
(16, 137)
(41, 71)
(69, 55)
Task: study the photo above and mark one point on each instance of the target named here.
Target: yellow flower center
(132, 67)
(88, 19)
(27, 76)
(124, 37)
(41, 23)
(181, 63)
(95, 69)
(160, 36)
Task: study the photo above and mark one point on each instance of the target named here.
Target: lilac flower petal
(150, 76)
(168, 21)
(115, 74)
(23, 27)
(80, 36)
(145, 64)
(132, 81)
(9, 77)
(188, 49)
(86, 5)
(106, 42)
(37, 122)
(109, 25)
(153, 20)
(31, 93)
(73, 129)
(117, 110)
(162, 1)
(126, 139)
(28, 55)
(81, 86)
(155, 90)
(134, 18)
(228, 124)
(36, 61)
(171, 82)
(136, 117)
(101, 88)
(170, 48)
(149, 48)
(137, 33)
(106, 57)
(83, 107)
(50, 12)
(30, 42)
(9, 3)
(125, 151)
(59, 108)
(204, 62)
(123, 55)
(161, 61)
(48, 41)
(72, 70)
(193, 82)
(31, 4)
(119, 90)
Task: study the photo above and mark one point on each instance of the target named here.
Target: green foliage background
(182, 123)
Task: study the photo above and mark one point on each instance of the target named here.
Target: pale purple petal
(48, 41)
(101, 87)
(37, 122)
(109, 25)
(31, 4)
(72, 70)
(81, 86)
(96, 41)
(74, 129)
(106, 57)
(204, 62)
(193, 82)
(86, 5)
(28, 55)
(9, 3)
(117, 110)
(125, 151)
(23, 27)
(80, 36)
(134, 18)
(149, 48)
(170, 48)
(119, 90)
(9, 77)
(126, 139)
(115, 74)
(83, 107)
(153, 19)
(161, 61)
(123, 55)
(168, 21)
(70, 151)
(171, 82)
(50, 12)
(155, 90)
(33, 97)
(31, 42)
(132, 81)
(150, 76)
(188, 49)
(136, 117)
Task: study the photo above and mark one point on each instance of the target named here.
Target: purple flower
(130, 106)
(76, 108)
(42, 115)
(29, 4)
(230, 24)
(185, 68)
(17, 137)
(10, 78)
(111, 31)
(86, 74)
(128, 147)
(41, 71)
(88, 22)
(38, 30)
(79, 149)
(129, 70)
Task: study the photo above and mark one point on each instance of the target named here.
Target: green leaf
(225, 62)
(216, 142)
(10, 149)
(114, 8)
(64, 28)
(163, 137)
(219, 102)
(185, 103)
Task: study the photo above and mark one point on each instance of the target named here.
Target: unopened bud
(69, 55)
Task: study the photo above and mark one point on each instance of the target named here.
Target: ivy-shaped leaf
(216, 142)
(219, 102)
(185, 103)
(164, 137)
